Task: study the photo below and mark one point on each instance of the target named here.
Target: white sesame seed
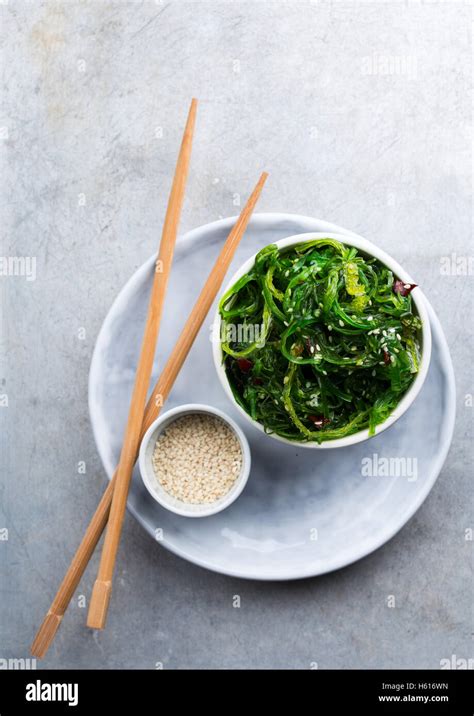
(341, 323)
(329, 328)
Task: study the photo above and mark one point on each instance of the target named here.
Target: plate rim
(299, 573)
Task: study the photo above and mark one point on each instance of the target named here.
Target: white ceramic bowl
(149, 477)
(370, 249)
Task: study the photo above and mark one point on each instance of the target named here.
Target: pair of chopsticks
(111, 509)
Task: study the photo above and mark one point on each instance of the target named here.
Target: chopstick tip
(45, 635)
(191, 115)
(99, 604)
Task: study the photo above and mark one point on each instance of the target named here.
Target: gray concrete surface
(361, 113)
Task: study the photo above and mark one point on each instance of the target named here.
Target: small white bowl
(150, 479)
(370, 249)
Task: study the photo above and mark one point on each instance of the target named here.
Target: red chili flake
(403, 288)
(319, 421)
(310, 345)
(257, 381)
(244, 364)
(386, 357)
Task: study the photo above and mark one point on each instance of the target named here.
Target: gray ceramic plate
(303, 512)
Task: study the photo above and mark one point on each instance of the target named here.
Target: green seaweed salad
(319, 341)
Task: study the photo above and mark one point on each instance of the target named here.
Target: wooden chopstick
(102, 589)
(53, 618)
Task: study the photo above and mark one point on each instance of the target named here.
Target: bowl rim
(147, 473)
(368, 247)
